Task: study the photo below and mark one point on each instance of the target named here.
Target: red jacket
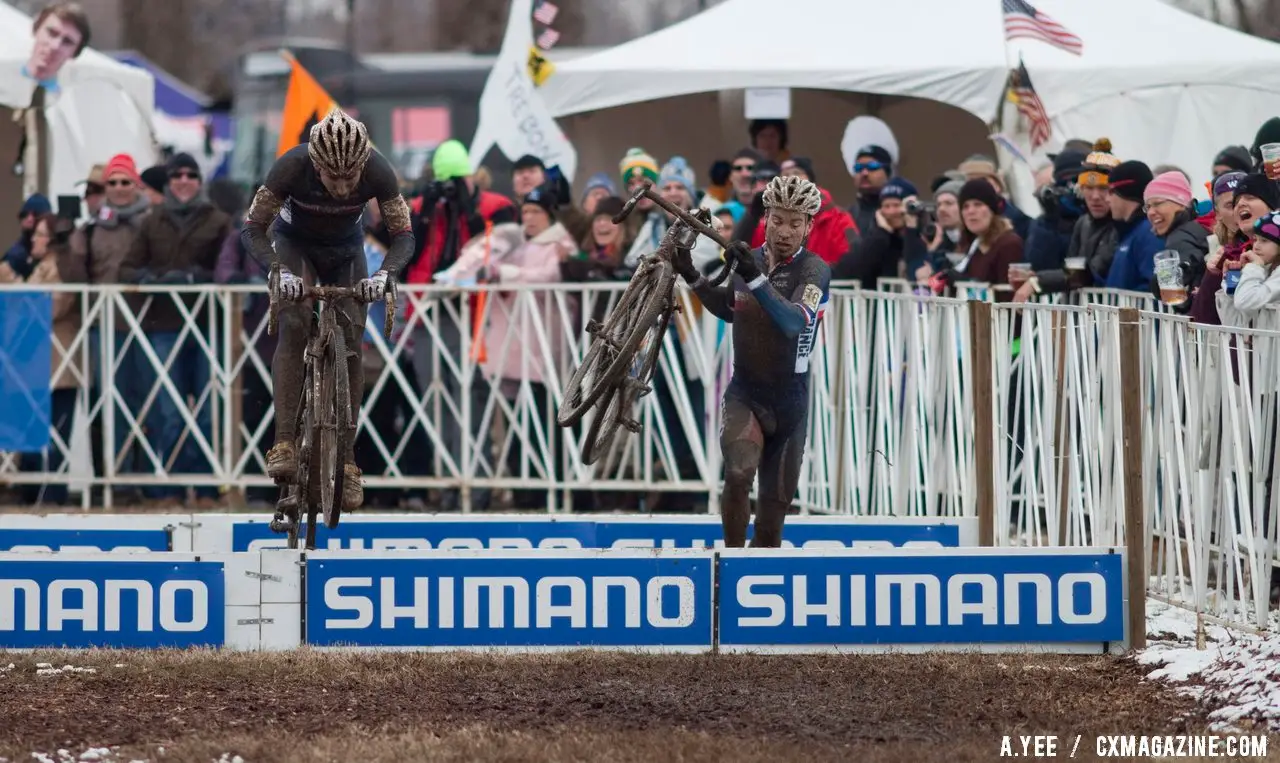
(828, 239)
(425, 265)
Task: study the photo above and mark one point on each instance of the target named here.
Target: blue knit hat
(678, 171)
(897, 188)
(599, 180)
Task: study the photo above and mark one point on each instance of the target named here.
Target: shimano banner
(118, 532)
(125, 603)
(448, 532)
(550, 599)
(967, 596)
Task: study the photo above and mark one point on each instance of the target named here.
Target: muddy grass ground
(308, 706)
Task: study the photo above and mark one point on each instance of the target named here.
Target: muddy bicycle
(623, 354)
(325, 423)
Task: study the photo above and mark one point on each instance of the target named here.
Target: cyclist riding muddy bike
(778, 297)
(312, 200)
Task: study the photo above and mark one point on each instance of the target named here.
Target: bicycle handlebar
(329, 294)
(646, 191)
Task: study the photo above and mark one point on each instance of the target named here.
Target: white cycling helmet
(339, 145)
(793, 193)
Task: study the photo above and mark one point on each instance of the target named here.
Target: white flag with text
(513, 115)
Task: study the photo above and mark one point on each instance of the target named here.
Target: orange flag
(305, 104)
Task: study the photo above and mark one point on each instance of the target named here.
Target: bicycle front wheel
(614, 345)
(335, 430)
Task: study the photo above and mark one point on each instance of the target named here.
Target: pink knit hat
(1169, 185)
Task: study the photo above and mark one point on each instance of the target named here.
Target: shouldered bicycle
(623, 353)
(326, 422)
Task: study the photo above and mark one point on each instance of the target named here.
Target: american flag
(548, 38)
(545, 13)
(1023, 95)
(1023, 20)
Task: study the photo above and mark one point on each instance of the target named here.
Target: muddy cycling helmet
(339, 145)
(793, 193)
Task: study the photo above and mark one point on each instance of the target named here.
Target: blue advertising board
(446, 533)
(26, 357)
(84, 539)
(51, 602)
(495, 599)
(906, 597)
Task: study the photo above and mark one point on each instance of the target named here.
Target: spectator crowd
(1103, 220)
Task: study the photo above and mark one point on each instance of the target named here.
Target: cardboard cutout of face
(60, 32)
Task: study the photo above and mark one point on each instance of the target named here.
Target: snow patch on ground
(47, 669)
(91, 755)
(1236, 672)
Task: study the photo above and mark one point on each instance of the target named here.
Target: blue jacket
(1134, 264)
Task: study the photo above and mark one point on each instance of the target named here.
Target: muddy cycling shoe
(282, 462)
(352, 488)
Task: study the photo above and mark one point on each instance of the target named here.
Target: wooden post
(980, 376)
(1135, 535)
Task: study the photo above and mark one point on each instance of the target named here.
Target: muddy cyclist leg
(288, 365)
(780, 466)
(741, 441)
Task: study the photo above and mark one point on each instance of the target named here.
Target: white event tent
(1164, 85)
(103, 108)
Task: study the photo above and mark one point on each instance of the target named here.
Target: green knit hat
(638, 164)
(451, 161)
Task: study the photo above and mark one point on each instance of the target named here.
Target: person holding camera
(1049, 235)
(885, 249)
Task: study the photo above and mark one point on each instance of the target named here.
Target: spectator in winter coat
(1050, 233)
(600, 256)
(102, 244)
(872, 168)
(944, 248)
(529, 172)
(1232, 159)
(678, 186)
(1231, 244)
(885, 249)
(1134, 263)
(979, 166)
(1259, 279)
(1167, 202)
(154, 181)
(990, 242)
(638, 168)
(177, 244)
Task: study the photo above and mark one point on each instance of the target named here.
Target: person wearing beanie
(678, 185)
(18, 256)
(637, 167)
(599, 257)
(1232, 243)
(101, 244)
(892, 247)
(769, 139)
(1167, 201)
(946, 200)
(527, 173)
(872, 168)
(599, 186)
(982, 166)
(1232, 159)
(989, 241)
(1137, 244)
(1049, 235)
(1269, 132)
(154, 180)
(1254, 197)
(1259, 284)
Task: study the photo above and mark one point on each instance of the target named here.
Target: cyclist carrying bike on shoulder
(312, 200)
(779, 294)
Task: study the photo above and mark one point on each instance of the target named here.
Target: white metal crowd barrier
(891, 419)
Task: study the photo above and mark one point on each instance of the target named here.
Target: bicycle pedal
(631, 425)
(594, 326)
(282, 524)
(288, 504)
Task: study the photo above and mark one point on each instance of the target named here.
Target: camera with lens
(925, 212)
(1050, 198)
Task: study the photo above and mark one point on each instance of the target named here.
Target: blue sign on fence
(544, 600)
(449, 534)
(26, 349)
(782, 600)
(124, 604)
(88, 539)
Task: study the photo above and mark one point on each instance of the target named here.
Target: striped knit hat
(637, 163)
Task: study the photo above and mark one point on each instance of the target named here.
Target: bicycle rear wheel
(303, 443)
(614, 345)
(603, 425)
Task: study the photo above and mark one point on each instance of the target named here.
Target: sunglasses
(119, 183)
(867, 166)
(744, 168)
(183, 176)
